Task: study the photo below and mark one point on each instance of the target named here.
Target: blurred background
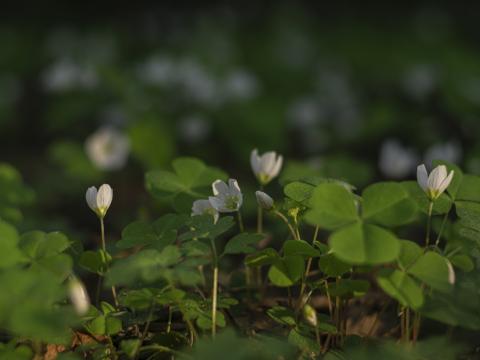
(106, 92)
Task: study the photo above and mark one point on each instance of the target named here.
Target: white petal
(91, 198)
(444, 185)
(278, 166)
(79, 297)
(217, 203)
(451, 273)
(240, 201)
(199, 206)
(219, 187)
(422, 177)
(436, 177)
(233, 187)
(255, 161)
(104, 197)
(268, 162)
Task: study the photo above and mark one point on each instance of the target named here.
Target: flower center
(231, 202)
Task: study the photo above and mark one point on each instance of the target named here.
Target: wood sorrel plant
(326, 251)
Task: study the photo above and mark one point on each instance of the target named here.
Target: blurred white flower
(227, 198)
(157, 70)
(65, 75)
(420, 81)
(450, 151)
(264, 200)
(194, 129)
(451, 273)
(305, 113)
(339, 101)
(310, 315)
(435, 183)
(78, 296)
(108, 149)
(197, 83)
(396, 161)
(240, 85)
(99, 201)
(204, 207)
(267, 166)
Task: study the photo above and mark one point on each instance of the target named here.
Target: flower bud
(310, 315)
(78, 296)
(264, 200)
(99, 201)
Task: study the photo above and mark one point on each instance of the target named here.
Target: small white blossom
(267, 166)
(420, 81)
(99, 201)
(449, 151)
(264, 200)
(240, 85)
(65, 75)
(194, 129)
(435, 183)
(78, 296)
(396, 161)
(227, 198)
(204, 207)
(108, 149)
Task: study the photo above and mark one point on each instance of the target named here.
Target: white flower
(267, 166)
(240, 85)
(65, 75)
(435, 183)
(194, 129)
(99, 201)
(108, 149)
(227, 198)
(420, 81)
(78, 296)
(395, 160)
(449, 151)
(264, 200)
(204, 207)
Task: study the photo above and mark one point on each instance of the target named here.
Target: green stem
(329, 299)
(169, 324)
(429, 224)
(307, 270)
(258, 269)
(444, 221)
(317, 335)
(104, 248)
(102, 233)
(240, 221)
(259, 220)
(191, 330)
(285, 220)
(214, 300)
(338, 319)
(407, 324)
(215, 286)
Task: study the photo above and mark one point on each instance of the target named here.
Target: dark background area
(328, 85)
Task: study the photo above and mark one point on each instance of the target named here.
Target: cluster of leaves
(162, 272)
